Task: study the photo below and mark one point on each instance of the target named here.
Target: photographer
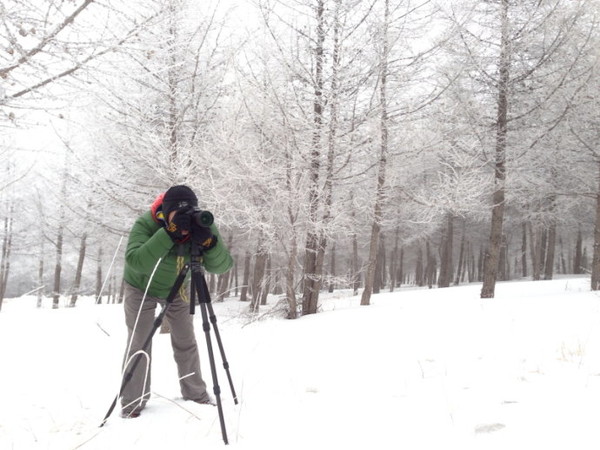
(166, 231)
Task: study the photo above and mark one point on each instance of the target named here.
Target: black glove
(203, 236)
(179, 228)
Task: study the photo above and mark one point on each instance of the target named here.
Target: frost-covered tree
(317, 87)
(47, 42)
(403, 53)
(583, 128)
(513, 56)
(160, 100)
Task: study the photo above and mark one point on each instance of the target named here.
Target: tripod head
(196, 255)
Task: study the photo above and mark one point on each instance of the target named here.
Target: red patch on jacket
(155, 206)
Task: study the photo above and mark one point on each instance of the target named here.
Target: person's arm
(218, 259)
(146, 245)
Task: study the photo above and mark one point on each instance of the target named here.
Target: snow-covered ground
(418, 369)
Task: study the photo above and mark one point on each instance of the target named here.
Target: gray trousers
(183, 340)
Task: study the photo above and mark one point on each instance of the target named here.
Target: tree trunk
(222, 286)
(431, 268)
(563, 261)
(550, 251)
(57, 268)
(446, 253)
(355, 269)
(99, 278)
(543, 247)
(260, 262)
(333, 102)
(578, 259)
(109, 293)
(401, 268)
(379, 280)
(212, 282)
(78, 271)
(480, 264)
(332, 270)
(312, 276)
(277, 288)
(394, 262)
(246, 278)
(596, 255)
(172, 87)
(290, 289)
(379, 191)
(503, 263)
(419, 271)
(266, 285)
(40, 293)
(461, 256)
(492, 253)
(535, 243)
(524, 250)
(354, 263)
(236, 280)
(6, 252)
(472, 265)
(225, 279)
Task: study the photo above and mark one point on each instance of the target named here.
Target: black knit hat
(178, 197)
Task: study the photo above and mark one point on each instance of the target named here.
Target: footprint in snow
(489, 428)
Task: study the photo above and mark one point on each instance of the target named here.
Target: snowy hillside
(419, 369)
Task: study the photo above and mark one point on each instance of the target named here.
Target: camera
(200, 217)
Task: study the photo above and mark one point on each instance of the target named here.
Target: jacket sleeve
(146, 246)
(218, 259)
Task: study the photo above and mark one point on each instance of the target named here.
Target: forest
(340, 144)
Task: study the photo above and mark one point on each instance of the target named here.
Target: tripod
(199, 290)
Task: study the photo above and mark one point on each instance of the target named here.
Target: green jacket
(149, 241)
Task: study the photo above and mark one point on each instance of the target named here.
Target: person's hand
(203, 236)
(178, 228)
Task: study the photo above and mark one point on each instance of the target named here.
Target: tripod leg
(213, 320)
(211, 356)
(205, 298)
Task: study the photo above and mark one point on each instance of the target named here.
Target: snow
(418, 369)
